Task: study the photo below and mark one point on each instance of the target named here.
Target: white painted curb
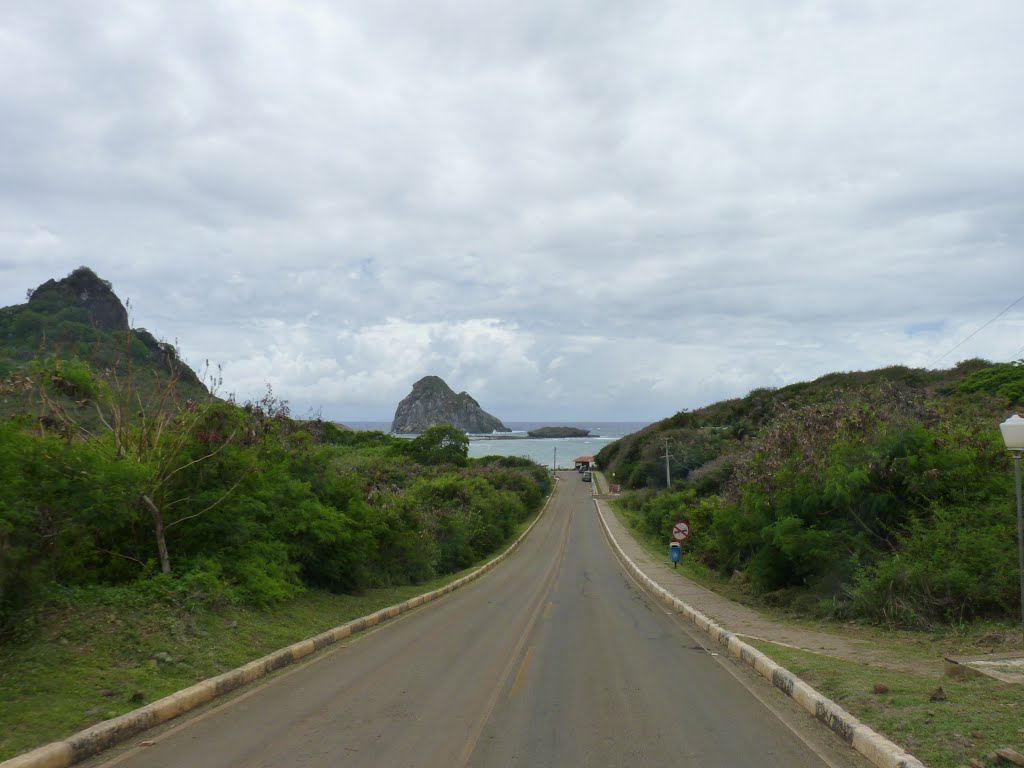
(102, 736)
(875, 747)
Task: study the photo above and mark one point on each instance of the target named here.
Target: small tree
(155, 432)
(443, 444)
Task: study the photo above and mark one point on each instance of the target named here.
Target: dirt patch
(1007, 667)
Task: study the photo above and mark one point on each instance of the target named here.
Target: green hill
(121, 474)
(703, 440)
(79, 320)
(882, 494)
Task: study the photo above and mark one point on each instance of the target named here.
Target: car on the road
(586, 477)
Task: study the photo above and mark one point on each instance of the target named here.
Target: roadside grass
(975, 715)
(107, 651)
(976, 638)
(689, 568)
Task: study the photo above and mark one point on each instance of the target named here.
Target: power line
(968, 338)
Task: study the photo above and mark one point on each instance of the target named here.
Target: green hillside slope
(882, 494)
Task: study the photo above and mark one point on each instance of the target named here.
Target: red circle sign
(681, 530)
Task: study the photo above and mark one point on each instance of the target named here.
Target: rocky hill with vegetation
(120, 471)
(79, 323)
(886, 495)
(433, 403)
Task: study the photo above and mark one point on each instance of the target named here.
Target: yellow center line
(523, 669)
(546, 588)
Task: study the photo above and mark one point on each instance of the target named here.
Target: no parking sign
(681, 530)
(680, 533)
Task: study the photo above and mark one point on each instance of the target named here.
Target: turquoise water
(544, 451)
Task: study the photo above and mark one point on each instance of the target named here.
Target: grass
(111, 651)
(977, 714)
(940, 641)
(110, 654)
(691, 569)
(107, 651)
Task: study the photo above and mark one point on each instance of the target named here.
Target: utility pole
(554, 460)
(668, 474)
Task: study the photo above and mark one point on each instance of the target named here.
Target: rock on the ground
(1010, 755)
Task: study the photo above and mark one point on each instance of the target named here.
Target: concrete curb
(875, 747)
(102, 736)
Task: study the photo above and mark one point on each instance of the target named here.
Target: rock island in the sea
(559, 432)
(432, 403)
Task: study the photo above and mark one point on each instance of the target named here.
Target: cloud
(585, 210)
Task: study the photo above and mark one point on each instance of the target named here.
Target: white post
(1013, 436)
(1020, 533)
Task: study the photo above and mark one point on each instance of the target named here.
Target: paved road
(554, 659)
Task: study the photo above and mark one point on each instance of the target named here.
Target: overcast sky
(572, 210)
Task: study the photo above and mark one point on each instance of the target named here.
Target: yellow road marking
(523, 669)
(546, 588)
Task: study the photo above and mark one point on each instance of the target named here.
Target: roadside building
(584, 463)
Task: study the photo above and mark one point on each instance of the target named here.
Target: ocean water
(558, 452)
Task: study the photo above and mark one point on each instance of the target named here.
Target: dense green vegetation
(884, 495)
(253, 507)
(118, 469)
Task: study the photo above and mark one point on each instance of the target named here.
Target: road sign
(681, 530)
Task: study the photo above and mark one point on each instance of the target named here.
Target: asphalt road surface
(555, 658)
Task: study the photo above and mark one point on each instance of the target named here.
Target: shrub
(954, 564)
(1004, 380)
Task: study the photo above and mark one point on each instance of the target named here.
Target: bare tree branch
(218, 501)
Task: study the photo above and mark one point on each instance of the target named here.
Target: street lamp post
(1013, 436)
